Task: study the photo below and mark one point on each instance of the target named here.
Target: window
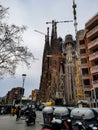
(85, 72)
(96, 91)
(82, 51)
(83, 61)
(86, 82)
(95, 77)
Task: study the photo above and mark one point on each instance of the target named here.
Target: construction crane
(40, 32)
(59, 22)
(43, 33)
(52, 23)
(79, 85)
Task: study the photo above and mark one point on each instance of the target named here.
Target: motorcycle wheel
(34, 121)
(27, 123)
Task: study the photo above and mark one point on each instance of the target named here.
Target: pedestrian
(13, 110)
(18, 113)
(2, 110)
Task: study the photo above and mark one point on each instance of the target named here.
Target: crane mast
(79, 85)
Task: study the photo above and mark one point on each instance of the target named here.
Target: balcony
(84, 65)
(85, 76)
(93, 43)
(87, 89)
(95, 83)
(93, 56)
(87, 86)
(94, 69)
(93, 31)
(92, 20)
(83, 55)
(82, 46)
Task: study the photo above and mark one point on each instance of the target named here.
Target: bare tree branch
(11, 50)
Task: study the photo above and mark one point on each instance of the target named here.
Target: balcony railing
(92, 31)
(82, 46)
(93, 56)
(91, 20)
(82, 54)
(86, 86)
(83, 64)
(93, 43)
(85, 76)
(95, 82)
(94, 69)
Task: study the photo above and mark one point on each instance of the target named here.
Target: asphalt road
(8, 122)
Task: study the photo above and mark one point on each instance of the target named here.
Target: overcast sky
(34, 14)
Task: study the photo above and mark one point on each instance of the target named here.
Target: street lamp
(23, 77)
(22, 92)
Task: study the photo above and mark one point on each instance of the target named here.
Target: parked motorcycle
(56, 119)
(84, 118)
(82, 125)
(63, 113)
(58, 124)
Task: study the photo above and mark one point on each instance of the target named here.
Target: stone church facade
(58, 68)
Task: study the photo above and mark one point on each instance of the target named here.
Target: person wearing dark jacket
(18, 112)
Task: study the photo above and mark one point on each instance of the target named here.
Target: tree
(11, 50)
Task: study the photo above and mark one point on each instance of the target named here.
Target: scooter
(58, 124)
(56, 119)
(46, 127)
(30, 118)
(84, 126)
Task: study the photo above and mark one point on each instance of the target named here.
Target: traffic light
(33, 94)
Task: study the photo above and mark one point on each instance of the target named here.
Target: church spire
(54, 45)
(46, 47)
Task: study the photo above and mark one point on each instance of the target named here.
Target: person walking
(18, 113)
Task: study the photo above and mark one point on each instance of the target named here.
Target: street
(8, 122)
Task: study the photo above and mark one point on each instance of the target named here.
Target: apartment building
(14, 94)
(88, 39)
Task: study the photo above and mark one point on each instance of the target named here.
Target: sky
(34, 14)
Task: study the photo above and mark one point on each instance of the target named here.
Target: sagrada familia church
(58, 79)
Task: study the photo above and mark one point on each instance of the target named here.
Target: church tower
(45, 67)
(69, 66)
